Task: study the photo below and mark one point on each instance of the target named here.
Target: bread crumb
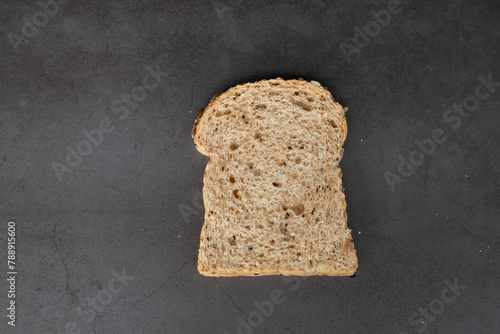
(361, 140)
(359, 232)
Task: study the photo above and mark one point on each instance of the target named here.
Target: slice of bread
(273, 195)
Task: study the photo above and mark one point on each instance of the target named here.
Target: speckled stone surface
(99, 172)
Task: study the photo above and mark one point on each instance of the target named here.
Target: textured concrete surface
(130, 207)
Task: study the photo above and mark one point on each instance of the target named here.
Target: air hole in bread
(232, 241)
(303, 105)
(220, 113)
(261, 106)
(233, 146)
(348, 244)
(231, 179)
(237, 193)
(332, 123)
(298, 209)
(277, 184)
(283, 228)
(258, 135)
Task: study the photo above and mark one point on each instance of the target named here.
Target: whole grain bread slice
(273, 194)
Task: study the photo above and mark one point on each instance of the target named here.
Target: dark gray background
(134, 202)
